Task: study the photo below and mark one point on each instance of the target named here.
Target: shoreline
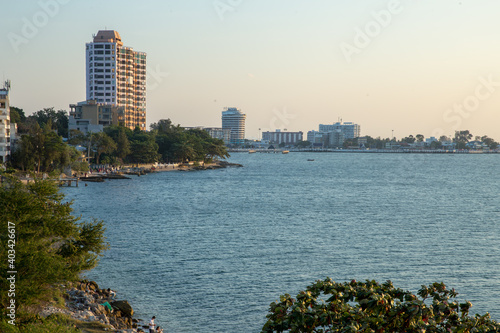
(89, 305)
(362, 151)
(143, 169)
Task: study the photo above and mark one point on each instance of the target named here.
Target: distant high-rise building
(349, 129)
(7, 130)
(116, 75)
(234, 119)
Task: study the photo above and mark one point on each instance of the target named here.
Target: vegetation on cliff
(45, 245)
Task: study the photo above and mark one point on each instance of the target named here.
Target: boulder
(124, 307)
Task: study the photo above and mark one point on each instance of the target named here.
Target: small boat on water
(310, 159)
(285, 151)
(252, 151)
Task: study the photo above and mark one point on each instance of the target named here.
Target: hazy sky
(419, 66)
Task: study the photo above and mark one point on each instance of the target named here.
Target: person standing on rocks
(152, 325)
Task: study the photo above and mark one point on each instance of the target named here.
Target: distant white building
(316, 137)
(234, 119)
(430, 140)
(349, 129)
(278, 137)
(7, 130)
(223, 134)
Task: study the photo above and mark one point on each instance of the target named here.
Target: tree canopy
(329, 306)
(57, 120)
(51, 245)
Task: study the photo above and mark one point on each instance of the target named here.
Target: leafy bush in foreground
(373, 307)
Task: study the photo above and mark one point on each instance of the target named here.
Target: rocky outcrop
(87, 302)
(217, 165)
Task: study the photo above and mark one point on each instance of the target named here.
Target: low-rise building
(223, 134)
(90, 116)
(317, 137)
(279, 137)
(336, 138)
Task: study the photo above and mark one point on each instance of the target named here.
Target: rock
(98, 309)
(124, 307)
(92, 285)
(104, 319)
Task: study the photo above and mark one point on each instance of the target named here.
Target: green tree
(143, 148)
(436, 145)
(303, 144)
(419, 137)
(490, 142)
(51, 245)
(17, 115)
(165, 126)
(444, 138)
(102, 144)
(350, 143)
(42, 150)
(409, 139)
(328, 306)
(462, 138)
(58, 119)
(122, 144)
(183, 151)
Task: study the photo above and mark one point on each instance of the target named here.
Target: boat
(252, 151)
(285, 152)
(310, 159)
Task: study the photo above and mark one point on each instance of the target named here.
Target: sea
(208, 251)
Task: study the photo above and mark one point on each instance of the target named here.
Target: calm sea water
(209, 251)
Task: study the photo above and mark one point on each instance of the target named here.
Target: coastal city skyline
(372, 64)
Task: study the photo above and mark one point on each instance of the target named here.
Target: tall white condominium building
(4, 123)
(116, 75)
(233, 119)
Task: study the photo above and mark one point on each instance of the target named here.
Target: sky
(393, 67)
